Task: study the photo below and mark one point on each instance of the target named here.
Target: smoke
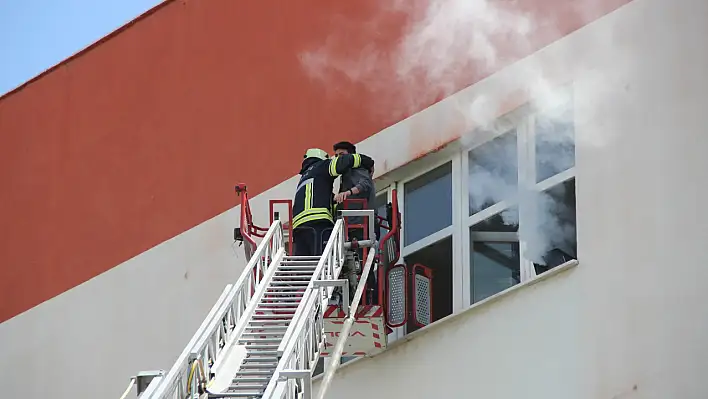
(443, 42)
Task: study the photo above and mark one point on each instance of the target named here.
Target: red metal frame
(287, 225)
(247, 227)
(427, 272)
(393, 232)
(249, 230)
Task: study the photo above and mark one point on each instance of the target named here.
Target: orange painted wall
(144, 135)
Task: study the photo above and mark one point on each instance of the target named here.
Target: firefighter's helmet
(316, 153)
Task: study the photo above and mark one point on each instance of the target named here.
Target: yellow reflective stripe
(333, 167)
(319, 216)
(357, 160)
(308, 196)
(314, 211)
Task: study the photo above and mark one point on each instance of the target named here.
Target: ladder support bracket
(336, 283)
(306, 379)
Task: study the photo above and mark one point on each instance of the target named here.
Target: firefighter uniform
(313, 216)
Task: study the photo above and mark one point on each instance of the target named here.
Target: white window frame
(523, 120)
(450, 231)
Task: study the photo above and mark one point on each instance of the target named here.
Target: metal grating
(422, 299)
(396, 295)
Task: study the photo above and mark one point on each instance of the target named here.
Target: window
(495, 267)
(497, 213)
(556, 239)
(521, 197)
(438, 257)
(427, 204)
(493, 172)
(554, 141)
(495, 260)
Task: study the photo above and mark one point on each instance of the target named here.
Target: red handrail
(393, 233)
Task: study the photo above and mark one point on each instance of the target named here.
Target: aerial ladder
(265, 334)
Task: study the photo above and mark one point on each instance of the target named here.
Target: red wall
(144, 135)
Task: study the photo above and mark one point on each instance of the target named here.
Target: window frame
(523, 120)
(452, 230)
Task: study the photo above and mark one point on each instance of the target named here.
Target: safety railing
(211, 343)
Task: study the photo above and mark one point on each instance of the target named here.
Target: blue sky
(38, 34)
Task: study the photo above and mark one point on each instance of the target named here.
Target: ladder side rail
(276, 253)
(328, 268)
(344, 334)
(176, 377)
(222, 365)
(223, 318)
(301, 353)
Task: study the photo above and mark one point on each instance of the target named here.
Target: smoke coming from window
(444, 42)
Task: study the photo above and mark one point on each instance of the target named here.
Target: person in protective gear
(312, 207)
(358, 184)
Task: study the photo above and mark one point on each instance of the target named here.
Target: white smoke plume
(441, 42)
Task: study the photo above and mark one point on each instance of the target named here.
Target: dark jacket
(361, 178)
(313, 195)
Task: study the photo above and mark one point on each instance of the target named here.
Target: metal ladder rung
(247, 386)
(296, 272)
(259, 365)
(251, 394)
(257, 372)
(263, 340)
(262, 353)
(264, 334)
(260, 348)
(277, 312)
(240, 380)
(268, 322)
(265, 328)
(292, 277)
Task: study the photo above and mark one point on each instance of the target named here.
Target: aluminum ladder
(264, 335)
(265, 331)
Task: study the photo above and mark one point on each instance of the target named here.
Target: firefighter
(358, 184)
(312, 207)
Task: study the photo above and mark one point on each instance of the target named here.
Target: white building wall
(631, 320)
(631, 314)
(483, 352)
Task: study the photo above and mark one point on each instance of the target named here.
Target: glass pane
(505, 221)
(438, 257)
(427, 205)
(555, 141)
(554, 240)
(495, 267)
(493, 172)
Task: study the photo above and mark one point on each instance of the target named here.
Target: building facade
(518, 138)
